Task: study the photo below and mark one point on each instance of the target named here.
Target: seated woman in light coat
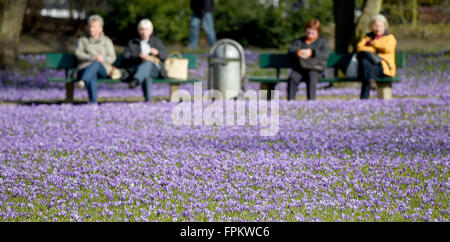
(376, 55)
(144, 58)
(96, 56)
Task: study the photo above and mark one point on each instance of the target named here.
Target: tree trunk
(344, 17)
(71, 10)
(414, 12)
(11, 18)
(370, 9)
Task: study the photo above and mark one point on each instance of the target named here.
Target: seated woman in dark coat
(144, 58)
(310, 48)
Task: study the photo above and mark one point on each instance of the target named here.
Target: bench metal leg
(385, 91)
(69, 92)
(268, 87)
(173, 88)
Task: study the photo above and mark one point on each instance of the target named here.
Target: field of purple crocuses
(332, 160)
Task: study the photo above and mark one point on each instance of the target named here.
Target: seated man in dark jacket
(304, 49)
(144, 58)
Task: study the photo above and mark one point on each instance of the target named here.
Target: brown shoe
(373, 84)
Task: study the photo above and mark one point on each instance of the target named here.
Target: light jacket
(384, 47)
(89, 47)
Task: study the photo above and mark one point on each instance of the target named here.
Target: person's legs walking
(90, 76)
(194, 31)
(208, 26)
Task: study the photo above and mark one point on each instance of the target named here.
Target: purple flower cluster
(331, 161)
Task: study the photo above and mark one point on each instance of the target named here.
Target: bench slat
(400, 59)
(103, 80)
(274, 61)
(60, 61)
(334, 59)
(173, 81)
(59, 79)
(266, 79)
(69, 61)
(386, 79)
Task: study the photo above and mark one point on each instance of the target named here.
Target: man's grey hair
(144, 24)
(97, 18)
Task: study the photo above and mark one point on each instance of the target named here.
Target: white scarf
(145, 47)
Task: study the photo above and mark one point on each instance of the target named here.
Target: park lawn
(330, 161)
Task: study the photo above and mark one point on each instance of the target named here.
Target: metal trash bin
(226, 69)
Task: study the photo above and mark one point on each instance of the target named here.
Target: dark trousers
(146, 72)
(367, 71)
(90, 75)
(309, 76)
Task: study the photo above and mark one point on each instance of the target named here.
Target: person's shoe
(134, 83)
(124, 74)
(373, 84)
(80, 84)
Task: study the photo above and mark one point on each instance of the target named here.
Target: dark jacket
(200, 7)
(320, 47)
(131, 59)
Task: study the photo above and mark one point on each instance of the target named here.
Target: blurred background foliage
(261, 23)
(251, 22)
(258, 23)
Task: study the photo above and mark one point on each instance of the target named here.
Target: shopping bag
(176, 66)
(352, 68)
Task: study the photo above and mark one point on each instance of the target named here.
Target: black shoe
(134, 83)
(124, 74)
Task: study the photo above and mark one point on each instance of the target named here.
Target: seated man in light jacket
(96, 56)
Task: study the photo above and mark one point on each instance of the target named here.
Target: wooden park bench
(335, 61)
(68, 63)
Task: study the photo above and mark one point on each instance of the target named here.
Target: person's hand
(304, 53)
(144, 56)
(99, 58)
(154, 51)
(307, 53)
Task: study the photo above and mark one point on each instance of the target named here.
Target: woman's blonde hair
(379, 18)
(97, 18)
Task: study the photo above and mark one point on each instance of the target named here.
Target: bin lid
(226, 51)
